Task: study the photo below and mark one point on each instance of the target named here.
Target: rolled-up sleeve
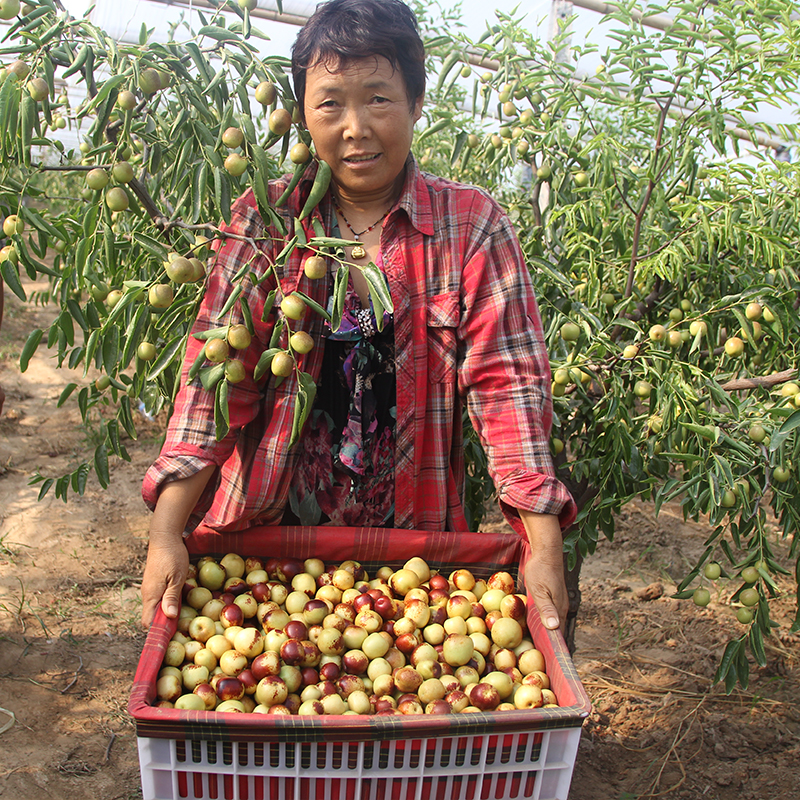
(505, 375)
(190, 444)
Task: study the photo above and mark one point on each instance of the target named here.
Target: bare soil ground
(70, 638)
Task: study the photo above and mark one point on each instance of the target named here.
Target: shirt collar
(415, 199)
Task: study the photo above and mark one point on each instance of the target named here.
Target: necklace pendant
(358, 252)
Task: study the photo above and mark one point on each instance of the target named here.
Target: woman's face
(361, 121)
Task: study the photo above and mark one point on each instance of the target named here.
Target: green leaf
(169, 354)
(730, 679)
(212, 333)
(232, 298)
(125, 416)
(269, 304)
(198, 362)
(112, 430)
(83, 402)
(303, 403)
(458, 148)
(91, 349)
(29, 348)
(153, 246)
(286, 251)
(705, 431)
(45, 488)
(79, 479)
(313, 304)
(77, 314)
(378, 285)
(129, 296)
(80, 59)
(199, 191)
(220, 34)
(11, 277)
(65, 393)
(247, 314)
(210, 376)
(106, 89)
(689, 578)
(62, 487)
(39, 222)
(339, 293)
(437, 126)
(29, 115)
(66, 331)
(727, 660)
(111, 350)
(221, 415)
(101, 464)
(220, 76)
(260, 177)
(264, 362)
(743, 667)
(200, 61)
(790, 424)
(757, 646)
(133, 334)
(277, 332)
(222, 193)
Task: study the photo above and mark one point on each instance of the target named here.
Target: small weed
(131, 610)
(6, 549)
(9, 351)
(18, 606)
(14, 605)
(621, 629)
(633, 569)
(67, 636)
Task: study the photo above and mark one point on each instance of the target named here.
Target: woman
(384, 442)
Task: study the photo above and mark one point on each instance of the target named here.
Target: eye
(378, 99)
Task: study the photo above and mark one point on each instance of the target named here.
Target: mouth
(362, 159)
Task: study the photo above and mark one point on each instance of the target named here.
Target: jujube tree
(662, 247)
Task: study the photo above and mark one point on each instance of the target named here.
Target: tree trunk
(582, 493)
(572, 578)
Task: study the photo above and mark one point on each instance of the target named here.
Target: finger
(547, 611)
(171, 602)
(148, 613)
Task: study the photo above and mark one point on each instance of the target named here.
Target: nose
(356, 124)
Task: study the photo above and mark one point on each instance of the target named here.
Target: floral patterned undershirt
(344, 474)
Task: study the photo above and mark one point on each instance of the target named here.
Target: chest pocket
(443, 315)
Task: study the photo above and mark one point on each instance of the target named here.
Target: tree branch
(759, 382)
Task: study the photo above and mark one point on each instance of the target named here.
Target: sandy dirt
(70, 638)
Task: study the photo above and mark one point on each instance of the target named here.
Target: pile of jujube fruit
(290, 636)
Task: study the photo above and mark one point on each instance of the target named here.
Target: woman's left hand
(545, 584)
(544, 572)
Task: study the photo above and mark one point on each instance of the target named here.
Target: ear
(418, 103)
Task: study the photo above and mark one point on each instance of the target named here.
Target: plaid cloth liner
(483, 553)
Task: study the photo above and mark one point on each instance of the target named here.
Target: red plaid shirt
(467, 328)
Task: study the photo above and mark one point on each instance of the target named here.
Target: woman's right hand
(164, 576)
(167, 557)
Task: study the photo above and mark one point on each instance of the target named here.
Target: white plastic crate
(508, 755)
(497, 767)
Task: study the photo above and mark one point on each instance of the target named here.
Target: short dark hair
(346, 30)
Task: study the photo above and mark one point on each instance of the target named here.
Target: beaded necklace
(358, 251)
